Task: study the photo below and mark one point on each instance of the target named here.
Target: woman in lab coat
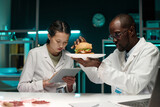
(132, 67)
(44, 61)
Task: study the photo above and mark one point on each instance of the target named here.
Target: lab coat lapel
(130, 59)
(61, 61)
(47, 57)
(134, 53)
(49, 61)
(122, 58)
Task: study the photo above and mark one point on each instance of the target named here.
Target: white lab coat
(136, 76)
(39, 67)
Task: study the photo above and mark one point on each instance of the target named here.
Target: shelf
(18, 31)
(15, 41)
(10, 77)
(17, 54)
(145, 28)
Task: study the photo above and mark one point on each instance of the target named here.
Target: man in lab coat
(132, 67)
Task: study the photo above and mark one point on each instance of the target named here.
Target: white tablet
(62, 73)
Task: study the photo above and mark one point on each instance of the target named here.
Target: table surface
(65, 99)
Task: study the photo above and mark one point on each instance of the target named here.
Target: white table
(64, 99)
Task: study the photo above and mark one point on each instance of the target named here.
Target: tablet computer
(57, 77)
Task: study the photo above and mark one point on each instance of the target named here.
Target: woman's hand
(70, 81)
(46, 83)
(79, 40)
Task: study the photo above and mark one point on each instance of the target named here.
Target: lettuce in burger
(83, 48)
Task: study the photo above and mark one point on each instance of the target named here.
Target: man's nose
(114, 40)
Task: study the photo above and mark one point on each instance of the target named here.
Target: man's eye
(117, 34)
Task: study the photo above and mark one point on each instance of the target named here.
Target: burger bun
(84, 45)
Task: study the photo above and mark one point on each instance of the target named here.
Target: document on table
(93, 104)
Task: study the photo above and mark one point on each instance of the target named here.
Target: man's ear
(132, 30)
(49, 37)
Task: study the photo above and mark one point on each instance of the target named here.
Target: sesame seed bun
(84, 45)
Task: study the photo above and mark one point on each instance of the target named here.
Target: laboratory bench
(68, 99)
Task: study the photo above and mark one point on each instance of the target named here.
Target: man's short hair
(126, 20)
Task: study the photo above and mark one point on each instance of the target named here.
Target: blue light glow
(111, 45)
(77, 95)
(39, 32)
(157, 44)
(75, 31)
(45, 32)
(5, 33)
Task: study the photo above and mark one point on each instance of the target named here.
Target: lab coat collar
(46, 55)
(61, 61)
(135, 51)
(48, 59)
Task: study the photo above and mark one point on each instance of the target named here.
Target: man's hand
(79, 40)
(90, 62)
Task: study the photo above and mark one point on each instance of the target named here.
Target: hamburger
(83, 48)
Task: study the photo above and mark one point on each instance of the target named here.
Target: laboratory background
(24, 23)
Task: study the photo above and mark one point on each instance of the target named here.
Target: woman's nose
(61, 45)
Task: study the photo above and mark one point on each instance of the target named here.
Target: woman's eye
(65, 42)
(58, 41)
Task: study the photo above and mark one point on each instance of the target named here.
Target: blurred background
(24, 23)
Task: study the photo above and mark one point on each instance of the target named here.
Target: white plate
(84, 56)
